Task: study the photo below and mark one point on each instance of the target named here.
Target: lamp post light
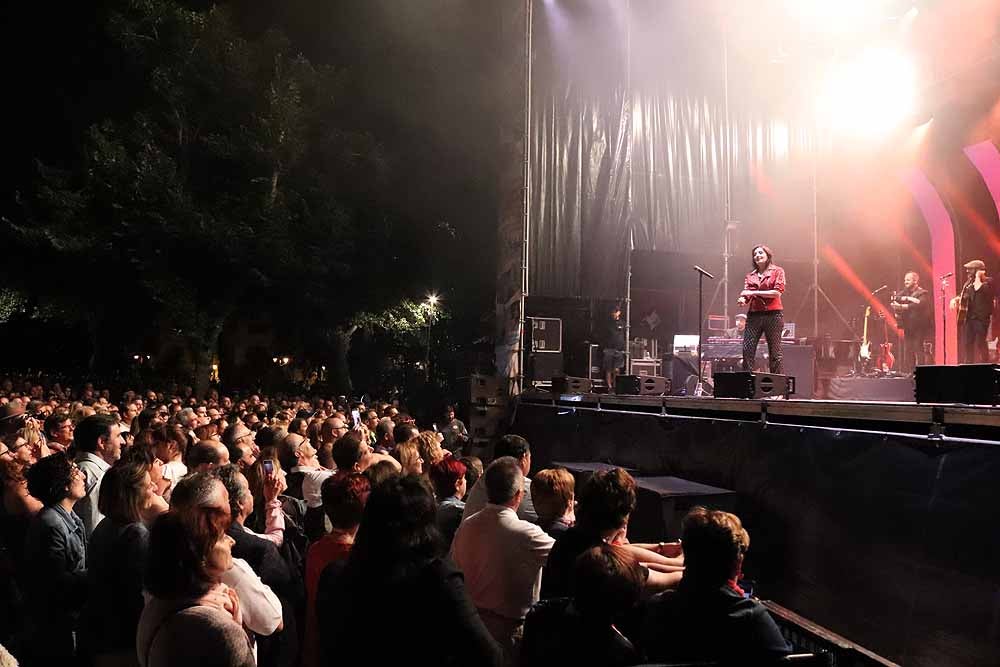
(431, 303)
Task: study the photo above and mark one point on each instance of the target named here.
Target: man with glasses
(239, 440)
(58, 429)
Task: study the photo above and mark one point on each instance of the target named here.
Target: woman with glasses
(55, 571)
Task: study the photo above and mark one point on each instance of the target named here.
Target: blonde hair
(429, 448)
(408, 456)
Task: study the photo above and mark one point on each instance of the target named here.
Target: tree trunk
(93, 332)
(204, 349)
(340, 374)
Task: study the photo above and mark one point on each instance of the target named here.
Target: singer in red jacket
(762, 291)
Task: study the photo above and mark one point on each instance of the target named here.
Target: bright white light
(433, 299)
(834, 16)
(870, 95)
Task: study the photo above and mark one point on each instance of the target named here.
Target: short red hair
(445, 475)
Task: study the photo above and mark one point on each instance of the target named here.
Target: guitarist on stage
(914, 312)
(975, 306)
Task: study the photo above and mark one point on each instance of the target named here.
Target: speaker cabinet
(642, 385)
(567, 384)
(746, 384)
(974, 384)
(542, 367)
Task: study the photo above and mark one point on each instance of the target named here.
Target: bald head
(206, 455)
(333, 428)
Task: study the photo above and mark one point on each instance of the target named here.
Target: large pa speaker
(746, 384)
(678, 367)
(974, 384)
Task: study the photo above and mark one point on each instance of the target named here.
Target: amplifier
(646, 367)
(974, 384)
(567, 384)
(746, 384)
(642, 385)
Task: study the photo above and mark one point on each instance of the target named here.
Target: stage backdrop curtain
(629, 131)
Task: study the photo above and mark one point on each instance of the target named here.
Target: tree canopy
(228, 187)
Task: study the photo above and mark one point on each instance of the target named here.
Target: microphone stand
(944, 320)
(702, 273)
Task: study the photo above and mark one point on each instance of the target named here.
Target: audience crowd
(163, 529)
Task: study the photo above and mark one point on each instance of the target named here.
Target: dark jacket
(698, 623)
(555, 633)
(116, 559)
(422, 603)
(54, 581)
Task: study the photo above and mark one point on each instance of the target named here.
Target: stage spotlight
(870, 95)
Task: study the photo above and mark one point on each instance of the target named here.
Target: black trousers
(912, 354)
(972, 342)
(770, 323)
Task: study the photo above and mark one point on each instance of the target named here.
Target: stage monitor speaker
(746, 384)
(642, 385)
(973, 384)
(653, 385)
(629, 385)
(567, 384)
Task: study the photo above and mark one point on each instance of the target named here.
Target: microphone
(947, 275)
(703, 272)
(879, 289)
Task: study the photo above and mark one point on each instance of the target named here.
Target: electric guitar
(865, 353)
(885, 359)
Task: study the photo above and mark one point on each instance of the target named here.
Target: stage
(875, 520)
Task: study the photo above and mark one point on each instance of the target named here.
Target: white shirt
(93, 467)
(173, 472)
(476, 501)
(260, 606)
(312, 485)
(501, 557)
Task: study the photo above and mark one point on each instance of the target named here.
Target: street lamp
(431, 303)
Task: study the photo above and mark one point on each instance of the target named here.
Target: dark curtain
(629, 131)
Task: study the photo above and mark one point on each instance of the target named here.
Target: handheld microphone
(947, 275)
(879, 289)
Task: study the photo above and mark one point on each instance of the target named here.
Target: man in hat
(737, 331)
(974, 305)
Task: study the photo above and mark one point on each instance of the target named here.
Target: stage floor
(977, 422)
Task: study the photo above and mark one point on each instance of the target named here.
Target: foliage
(228, 187)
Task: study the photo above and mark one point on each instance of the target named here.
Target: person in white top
(518, 448)
(99, 444)
(501, 555)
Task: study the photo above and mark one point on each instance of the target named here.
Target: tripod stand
(815, 290)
